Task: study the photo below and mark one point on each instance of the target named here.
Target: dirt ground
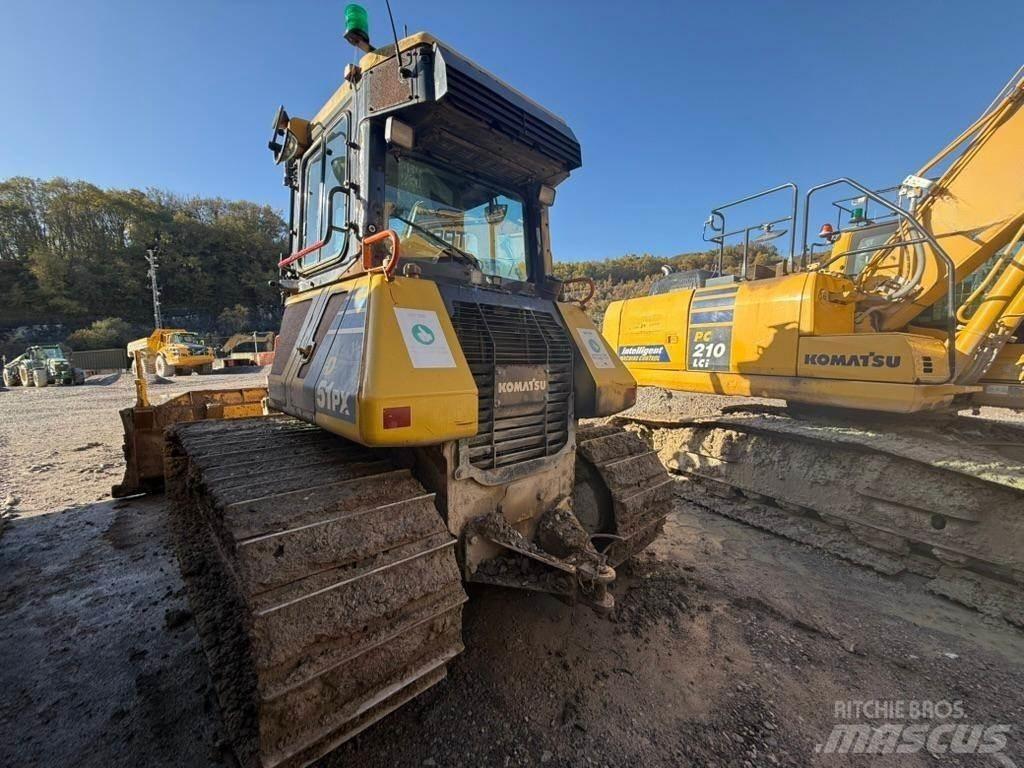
(728, 646)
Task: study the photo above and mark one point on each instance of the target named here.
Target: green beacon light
(858, 214)
(357, 27)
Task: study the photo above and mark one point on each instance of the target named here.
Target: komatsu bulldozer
(424, 403)
(907, 311)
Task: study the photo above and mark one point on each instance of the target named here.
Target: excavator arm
(973, 210)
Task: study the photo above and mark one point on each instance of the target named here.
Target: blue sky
(678, 106)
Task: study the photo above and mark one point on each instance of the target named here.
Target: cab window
(441, 214)
(311, 200)
(325, 168)
(335, 175)
(868, 239)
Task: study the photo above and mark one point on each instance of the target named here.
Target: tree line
(74, 254)
(634, 274)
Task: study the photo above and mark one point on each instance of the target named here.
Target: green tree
(69, 251)
(234, 320)
(107, 333)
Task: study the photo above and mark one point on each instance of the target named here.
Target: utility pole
(151, 260)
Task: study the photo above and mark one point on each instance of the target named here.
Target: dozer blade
(145, 424)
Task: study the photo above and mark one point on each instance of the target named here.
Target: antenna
(403, 73)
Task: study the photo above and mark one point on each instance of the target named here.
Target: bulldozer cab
(426, 145)
(419, 209)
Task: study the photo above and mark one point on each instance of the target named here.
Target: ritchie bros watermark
(909, 726)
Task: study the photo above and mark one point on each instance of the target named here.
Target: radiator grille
(492, 335)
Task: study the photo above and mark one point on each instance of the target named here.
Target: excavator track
(942, 498)
(323, 581)
(629, 482)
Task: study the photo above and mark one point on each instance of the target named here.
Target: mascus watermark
(909, 726)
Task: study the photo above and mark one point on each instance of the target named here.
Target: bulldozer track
(322, 578)
(943, 500)
(639, 488)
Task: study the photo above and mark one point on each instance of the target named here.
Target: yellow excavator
(875, 337)
(423, 411)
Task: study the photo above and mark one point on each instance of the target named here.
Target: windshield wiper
(450, 248)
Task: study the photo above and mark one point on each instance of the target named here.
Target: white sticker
(421, 330)
(595, 347)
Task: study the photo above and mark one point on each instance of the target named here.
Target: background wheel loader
(909, 311)
(424, 404)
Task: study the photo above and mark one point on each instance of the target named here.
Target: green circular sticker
(595, 345)
(422, 334)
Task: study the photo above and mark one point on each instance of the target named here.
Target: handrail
(388, 266)
(717, 213)
(868, 249)
(590, 284)
(936, 249)
(304, 252)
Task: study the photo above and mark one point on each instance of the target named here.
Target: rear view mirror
(495, 214)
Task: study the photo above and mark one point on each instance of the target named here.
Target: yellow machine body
(369, 377)
(162, 343)
(423, 411)
(392, 372)
(900, 313)
(790, 337)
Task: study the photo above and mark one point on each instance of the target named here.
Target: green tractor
(42, 365)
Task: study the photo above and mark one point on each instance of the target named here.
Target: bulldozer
(422, 411)
(906, 312)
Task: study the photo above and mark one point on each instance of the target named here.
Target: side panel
(649, 332)
(767, 326)
(601, 384)
(286, 357)
(883, 357)
(413, 386)
(750, 328)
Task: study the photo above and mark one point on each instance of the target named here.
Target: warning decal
(424, 338)
(595, 347)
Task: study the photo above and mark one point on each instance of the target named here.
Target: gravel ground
(728, 646)
(62, 446)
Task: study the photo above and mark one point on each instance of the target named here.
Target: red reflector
(397, 417)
